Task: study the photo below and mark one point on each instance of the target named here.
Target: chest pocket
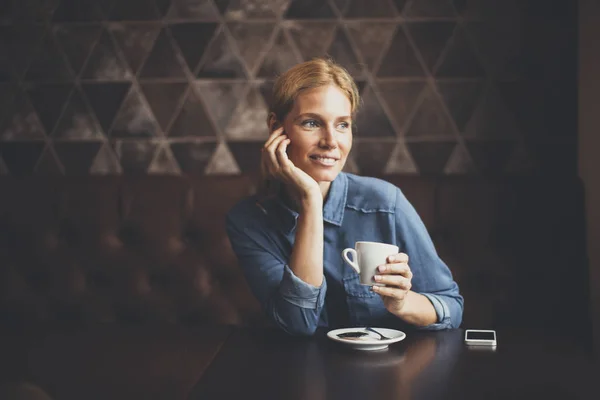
(365, 306)
(355, 289)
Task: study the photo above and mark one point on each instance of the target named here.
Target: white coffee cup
(366, 257)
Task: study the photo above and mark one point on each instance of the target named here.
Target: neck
(292, 201)
(324, 188)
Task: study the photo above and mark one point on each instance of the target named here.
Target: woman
(289, 237)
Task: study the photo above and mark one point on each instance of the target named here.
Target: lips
(324, 160)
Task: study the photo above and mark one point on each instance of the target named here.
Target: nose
(328, 138)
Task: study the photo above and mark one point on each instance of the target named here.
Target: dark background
(492, 87)
(180, 86)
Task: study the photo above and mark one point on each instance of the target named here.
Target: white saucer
(370, 342)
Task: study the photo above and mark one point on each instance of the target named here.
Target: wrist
(417, 309)
(312, 199)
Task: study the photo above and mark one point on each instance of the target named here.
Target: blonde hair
(307, 75)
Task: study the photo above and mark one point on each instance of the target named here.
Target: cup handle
(352, 262)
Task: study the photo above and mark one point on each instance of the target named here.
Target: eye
(344, 125)
(310, 123)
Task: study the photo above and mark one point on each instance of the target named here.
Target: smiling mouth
(328, 161)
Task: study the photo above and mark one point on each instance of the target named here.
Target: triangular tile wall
(182, 86)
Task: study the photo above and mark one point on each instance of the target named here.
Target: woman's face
(320, 132)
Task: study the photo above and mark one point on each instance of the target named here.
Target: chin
(324, 176)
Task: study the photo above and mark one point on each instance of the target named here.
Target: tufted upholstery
(154, 248)
(108, 249)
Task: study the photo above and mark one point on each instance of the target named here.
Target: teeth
(324, 160)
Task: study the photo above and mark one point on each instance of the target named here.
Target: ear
(272, 122)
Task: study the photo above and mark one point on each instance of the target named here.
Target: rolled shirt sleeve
(431, 276)
(448, 310)
(292, 304)
(299, 293)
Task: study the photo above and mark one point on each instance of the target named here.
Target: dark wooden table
(435, 365)
(107, 361)
(171, 362)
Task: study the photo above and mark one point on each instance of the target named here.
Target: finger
(398, 258)
(274, 135)
(395, 269)
(271, 158)
(397, 281)
(391, 292)
(282, 156)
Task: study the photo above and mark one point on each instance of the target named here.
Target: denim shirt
(357, 208)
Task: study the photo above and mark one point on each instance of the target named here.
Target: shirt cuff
(441, 309)
(295, 291)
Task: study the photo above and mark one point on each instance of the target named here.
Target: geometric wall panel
(77, 121)
(21, 122)
(431, 38)
(20, 42)
(106, 162)
(372, 157)
(164, 163)
(370, 39)
(311, 38)
(164, 100)
(371, 120)
(400, 161)
(135, 156)
(431, 157)
(400, 99)
(400, 59)
(78, 11)
(108, 87)
(220, 60)
(460, 98)
(48, 101)
(460, 59)
(430, 8)
(309, 9)
(135, 41)
(221, 100)
(430, 119)
(490, 157)
(77, 42)
(252, 40)
(105, 62)
(192, 9)
(368, 9)
(460, 162)
(244, 9)
(105, 100)
(222, 162)
(193, 157)
(134, 120)
(21, 157)
(162, 62)
(192, 39)
(278, 59)
(48, 164)
(341, 50)
(249, 119)
(77, 157)
(192, 120)
(48, 63)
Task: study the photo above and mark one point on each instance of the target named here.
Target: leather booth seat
(136, 249)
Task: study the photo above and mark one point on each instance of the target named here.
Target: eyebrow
(317, 116)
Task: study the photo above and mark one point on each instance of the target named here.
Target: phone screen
(481, 336)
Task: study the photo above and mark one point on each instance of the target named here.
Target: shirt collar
(335, 204)
(285, 218)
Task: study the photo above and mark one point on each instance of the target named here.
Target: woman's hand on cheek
(275, 163)
(396, 276)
